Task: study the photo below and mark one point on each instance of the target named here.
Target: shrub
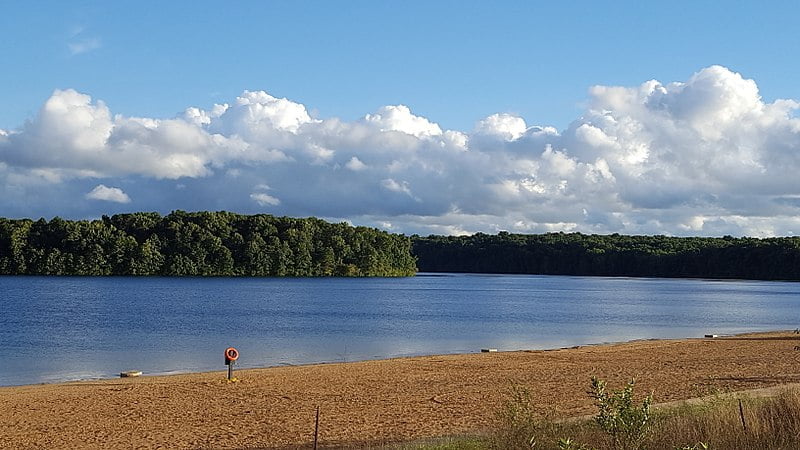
(626, 423)
(517, 421)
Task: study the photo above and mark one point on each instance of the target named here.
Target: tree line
(200, 244)
(611, 255)
(228, 244)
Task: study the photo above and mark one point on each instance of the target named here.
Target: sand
(376, 401)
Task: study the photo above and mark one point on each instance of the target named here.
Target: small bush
(626, 423)
(517, 421)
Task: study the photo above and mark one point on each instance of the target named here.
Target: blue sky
(455, 61)
(454, 64)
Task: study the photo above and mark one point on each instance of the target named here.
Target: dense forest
(200, 244)
(611, 255)
(227, 244)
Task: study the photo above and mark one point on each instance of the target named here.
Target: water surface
(63, 328)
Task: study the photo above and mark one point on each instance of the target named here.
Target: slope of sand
(376, 401)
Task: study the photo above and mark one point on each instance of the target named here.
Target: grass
(454, 443)
(716, 423)
(764, 423)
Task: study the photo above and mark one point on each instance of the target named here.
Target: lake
(64, 328)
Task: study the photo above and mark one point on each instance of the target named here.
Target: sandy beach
(375, 402)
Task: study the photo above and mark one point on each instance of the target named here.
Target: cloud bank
(707, 156)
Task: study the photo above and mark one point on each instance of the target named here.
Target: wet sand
(377, 401)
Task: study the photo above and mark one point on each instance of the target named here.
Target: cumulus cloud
(264, 199)
(75, 136)
(702, 156)
(400, 118)
(505, 126)
(394, 186)
(355, 164)
(108, 194)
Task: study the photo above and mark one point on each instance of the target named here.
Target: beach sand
(376, 401)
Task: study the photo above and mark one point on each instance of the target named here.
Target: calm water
(55, 329)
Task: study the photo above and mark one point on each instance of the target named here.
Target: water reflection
(55, 329)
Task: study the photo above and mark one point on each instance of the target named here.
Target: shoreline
(378, 401)
(178, 372)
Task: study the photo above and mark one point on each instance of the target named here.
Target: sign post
(231, 355)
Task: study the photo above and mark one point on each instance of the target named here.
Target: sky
(447, 117)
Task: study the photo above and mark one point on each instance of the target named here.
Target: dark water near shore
(56, 329)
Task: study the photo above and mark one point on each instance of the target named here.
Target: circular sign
(231, 354)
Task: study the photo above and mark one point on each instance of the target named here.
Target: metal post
(741, 414)
(316, 429)
(231, 355)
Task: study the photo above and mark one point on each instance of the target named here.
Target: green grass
(769, 423)
(457, 443)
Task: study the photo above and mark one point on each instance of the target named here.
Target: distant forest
(227, 244)
(200, 244)
(611, 255)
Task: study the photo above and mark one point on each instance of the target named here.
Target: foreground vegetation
(200, 244)
(611, 255)
(720, 423)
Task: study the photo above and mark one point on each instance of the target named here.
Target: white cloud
(703, 156)
(394, 186)
(264, 199)
(355, 164)
(503, 125)
(74, 136)
(255, 113)
(400, 118)
(108, 194)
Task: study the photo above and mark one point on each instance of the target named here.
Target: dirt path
(376, 401)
